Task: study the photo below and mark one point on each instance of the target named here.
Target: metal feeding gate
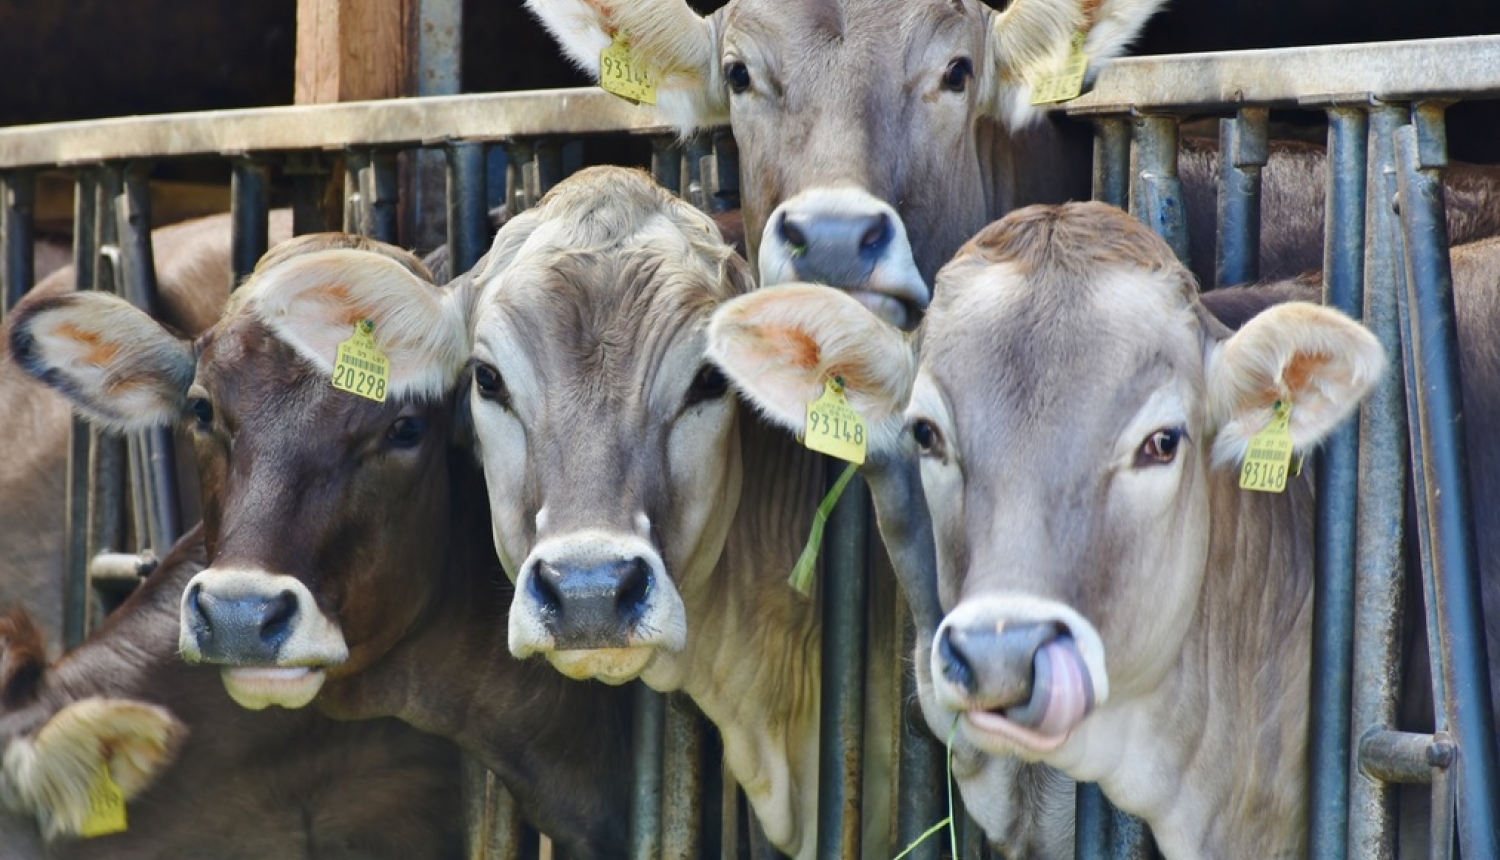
(1387, 264)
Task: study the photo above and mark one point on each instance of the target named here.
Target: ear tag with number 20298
(106, 806)
(1268, 459)
(622, 73)
(361, 368)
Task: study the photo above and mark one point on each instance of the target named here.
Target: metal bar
(841, 717)
(107, 460)
(549, 165)
(725, 182)
(1404, 757)
(666, 163)
(75, 512)
(1440, 843)
(1322, 76)
(519, 193)
(1337, 482)
(682, 783)
(921, 768)
(355, 220)
(468, 219)
(1379, 556)
(1112, 161)
(645, 802)
(972, 844)
(17, 220)
(1421, 155)
(310, 175)
(379, 189)
(1242, 153)
(250, 213)
(1091, 822)
(1156, 190)
(695, 150)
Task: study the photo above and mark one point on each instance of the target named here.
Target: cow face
(324, 511)
(874, 135)
(608, 443)
(1077, 412)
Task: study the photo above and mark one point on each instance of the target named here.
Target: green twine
(802, 572)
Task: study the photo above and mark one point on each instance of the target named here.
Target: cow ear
(1316, 359)
(317, 300)
(1032, 41)
(666, 36)
(50, 774)
(780, 346)
(118, 366)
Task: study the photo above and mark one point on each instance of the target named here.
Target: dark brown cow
(202, 777)
(349, 538)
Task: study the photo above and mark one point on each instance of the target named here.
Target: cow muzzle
(265, 630)
(1020, 682)
(845, 238)
(597, 606)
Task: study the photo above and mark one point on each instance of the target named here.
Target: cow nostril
(195, 605)
(956, 666)
(793, 236)
(878, 235)
(635, 585)
(543, 588)
(280, 612)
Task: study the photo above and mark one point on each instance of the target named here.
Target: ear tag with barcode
(106, 806)
(833, 427)
(1067, 83)
(1269, 457)
(361, 368)
(622, 73)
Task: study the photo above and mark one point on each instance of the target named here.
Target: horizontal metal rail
(1467, 67)
(389, 122)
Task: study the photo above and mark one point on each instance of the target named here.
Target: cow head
(875, 135)
(605, 435)
(1073, 407)
(324, 511)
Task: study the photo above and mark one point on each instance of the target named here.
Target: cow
(350, 562)
(1114, 603)
(199, 775)
(876, 136)
(192, 263)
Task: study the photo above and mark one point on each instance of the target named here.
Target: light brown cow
(1116, 605)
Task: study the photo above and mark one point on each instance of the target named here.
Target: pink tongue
(1067, 687)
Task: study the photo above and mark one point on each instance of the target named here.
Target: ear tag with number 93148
(361, 368)
(622, 73)
(106, 806)
(1269, 457)
(833, 427)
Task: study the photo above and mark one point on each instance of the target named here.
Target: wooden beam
(351, 50)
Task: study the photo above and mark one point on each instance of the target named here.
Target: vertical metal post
(76, 551)
(468, 221)
(682, 784)
(841, 730)
(1337, 499)
(645, 802)
(356, 214)
(548, 165)
(1112, 161)
(18, 235)
(250, 212)
(694, 151)
(724, 184)
(922, 766)
(1380, 555)
(1091, 822)
(520, 192)
(666, 163)
(310, 176)
(1156, 190)
(107, 453)
(1433, 354)
(1242, 153)
(379, 188)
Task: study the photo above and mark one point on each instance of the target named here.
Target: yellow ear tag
(624, 75)
(1269, 457)
(1068, 82)
(833, 427)
(361, 368)
(106, 806)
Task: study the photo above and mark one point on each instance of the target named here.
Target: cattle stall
(1384, 105)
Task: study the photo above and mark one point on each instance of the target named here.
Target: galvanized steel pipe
(17, 236)
(1242, 153)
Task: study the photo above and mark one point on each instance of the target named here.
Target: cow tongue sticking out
(1061, 696)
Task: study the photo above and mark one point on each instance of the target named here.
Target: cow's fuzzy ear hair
(119, 367)
(780, 346)
(665, 35)
(50, 773)
(1314, 358)
(23, 658)
(315, 301)
(1032, 39)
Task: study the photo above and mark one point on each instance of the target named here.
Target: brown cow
(200, 776)
(348, 537)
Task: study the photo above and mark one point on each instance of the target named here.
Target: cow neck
(1231, 719)
(752, 660)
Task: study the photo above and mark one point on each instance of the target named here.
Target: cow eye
(929, 440)
(1160, 448)
(203, 412)
(709, 384)
(406, 431)
(490, 385)
(956, 77)
(737, 74)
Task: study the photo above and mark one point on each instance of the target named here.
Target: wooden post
(350, 50)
